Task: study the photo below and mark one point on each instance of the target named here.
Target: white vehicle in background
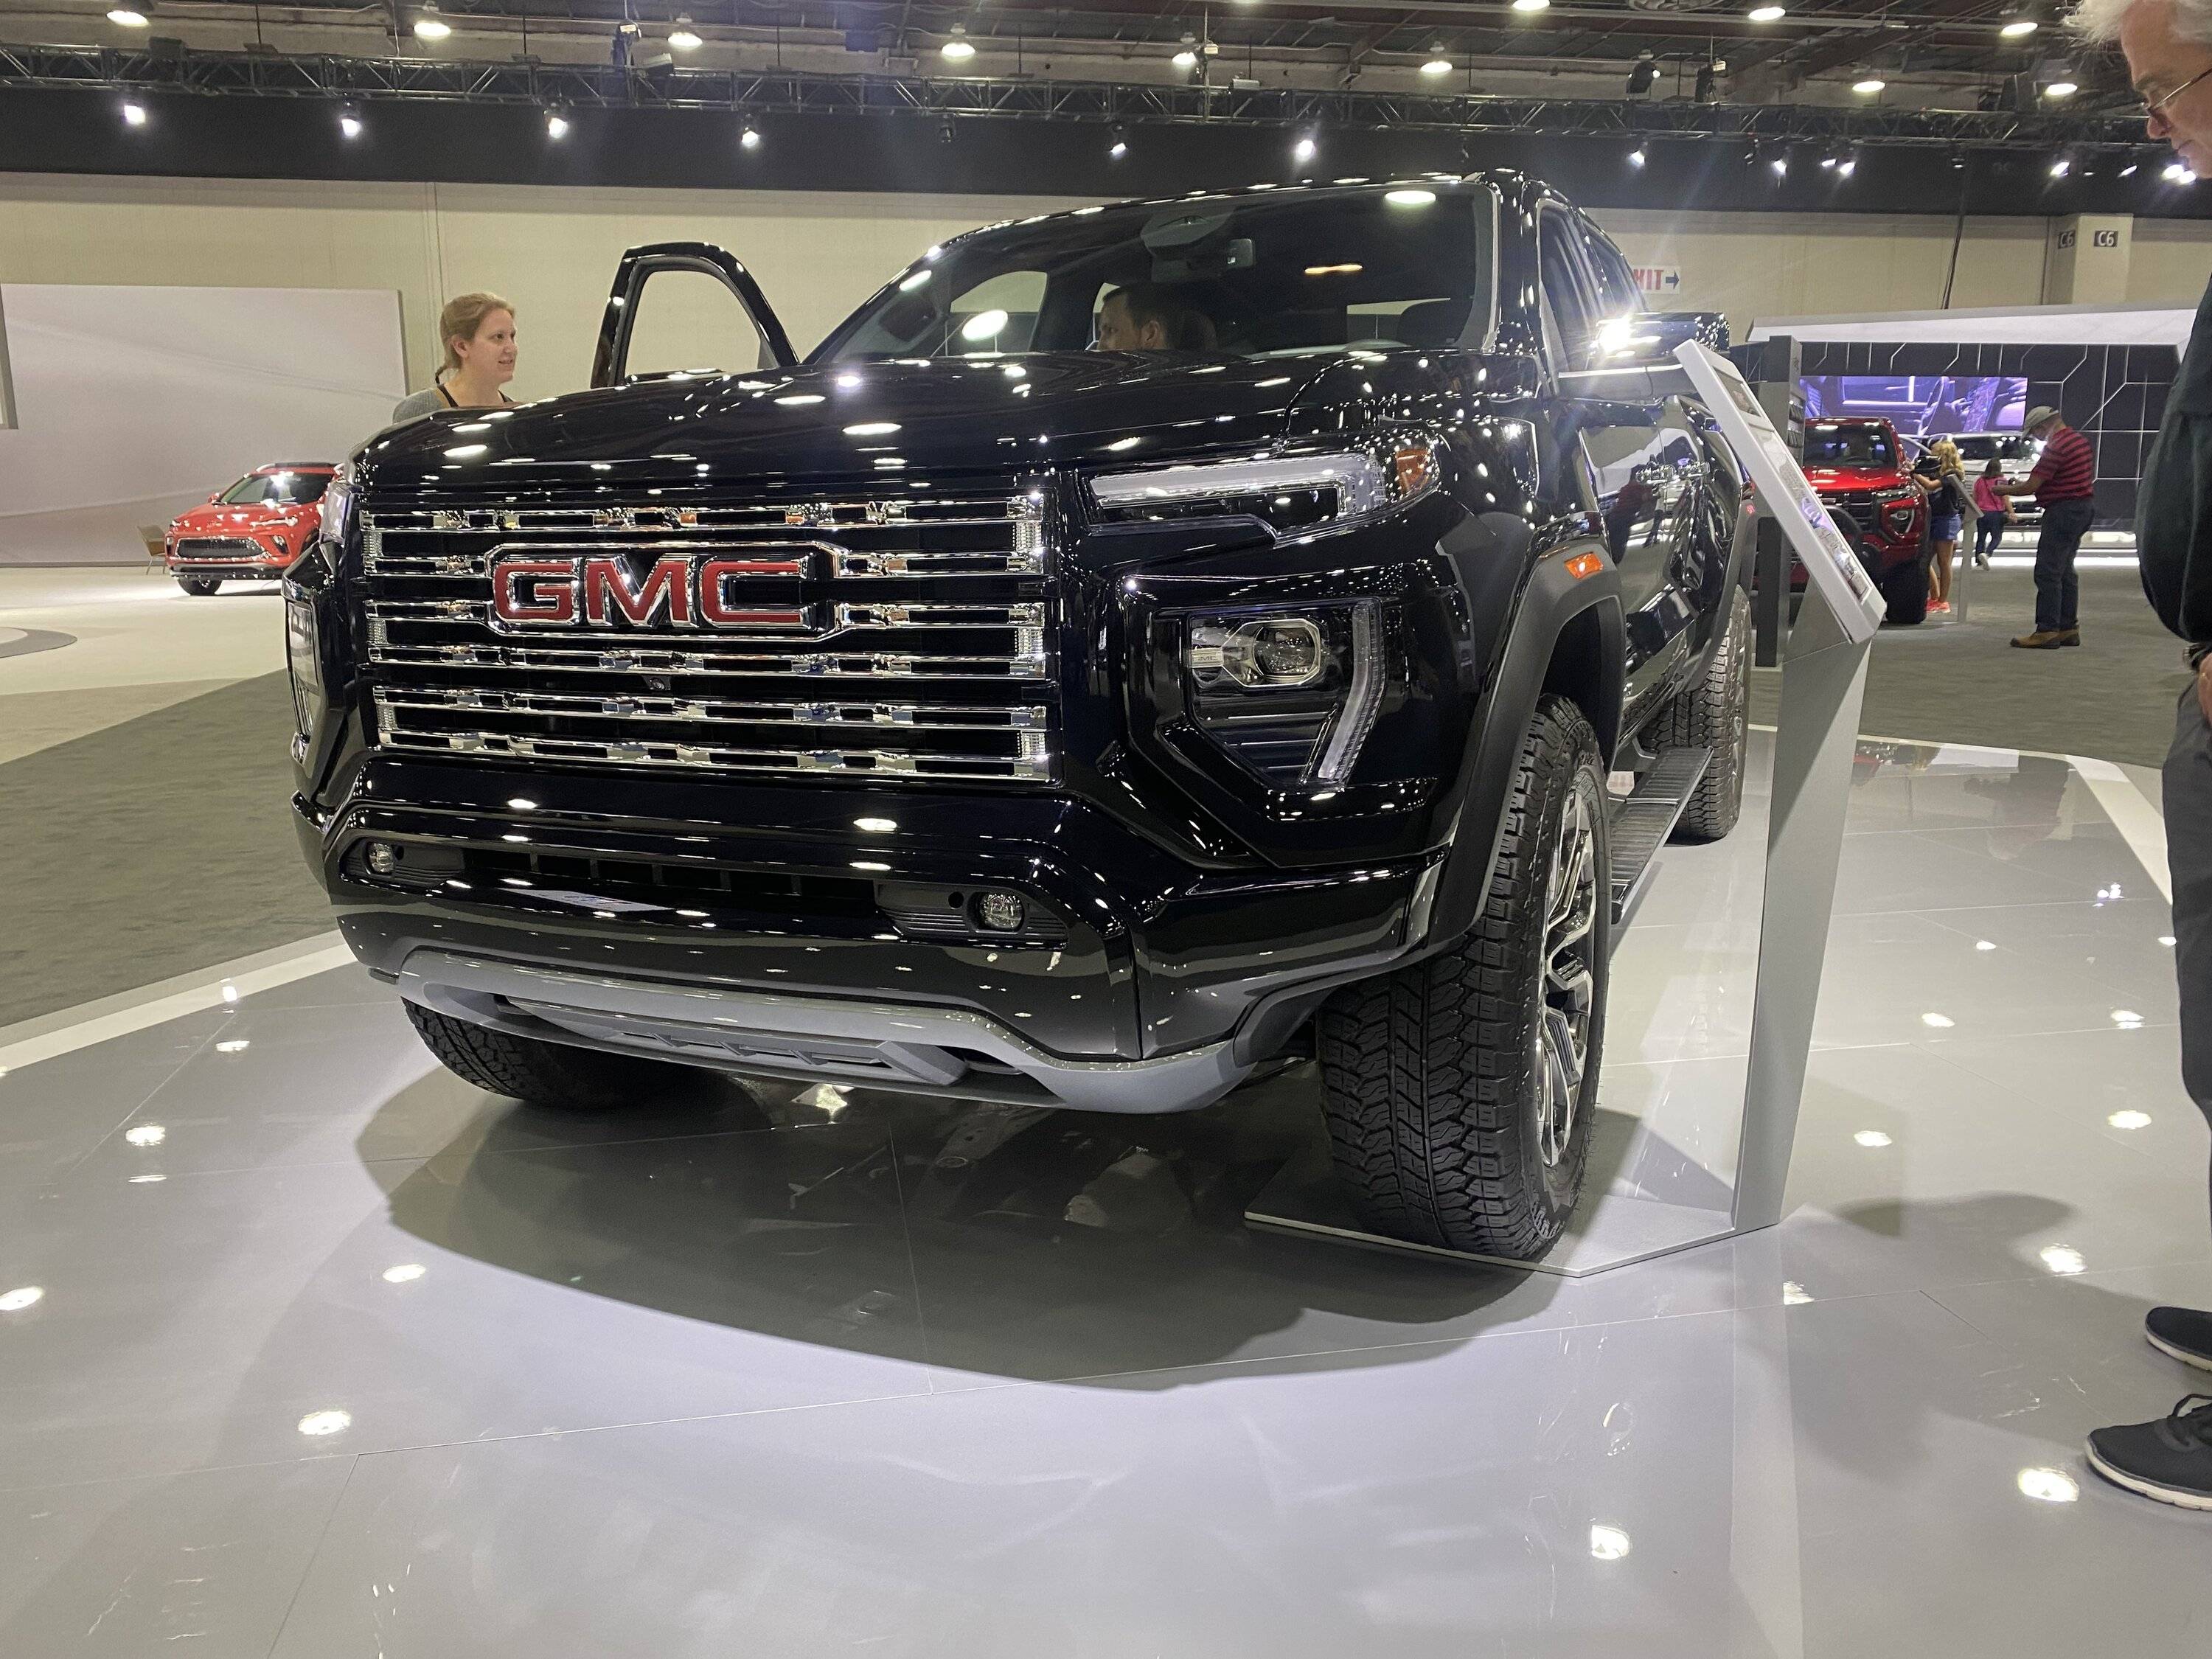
(2015, 452)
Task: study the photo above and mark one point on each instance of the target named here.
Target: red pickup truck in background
(1860, 471)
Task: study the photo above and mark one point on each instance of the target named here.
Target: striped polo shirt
(2066, 471)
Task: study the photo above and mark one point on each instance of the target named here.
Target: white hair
(2098, 22)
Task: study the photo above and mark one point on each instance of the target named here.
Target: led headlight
(303, 658)
(1292, 493)
(1896, 509)
(338, 508)
(1290, 695)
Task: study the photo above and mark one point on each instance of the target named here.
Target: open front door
(667, 313)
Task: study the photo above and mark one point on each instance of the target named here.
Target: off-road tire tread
(1707, 715)
(556, 1074)
(1904, 591)
(1425, 1069)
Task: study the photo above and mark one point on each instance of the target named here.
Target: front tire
(1461, 1091)
(1905, 590)
(556, 1074)
(1715, 712)
(199, 586)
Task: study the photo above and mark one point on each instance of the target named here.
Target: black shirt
(2173, 513)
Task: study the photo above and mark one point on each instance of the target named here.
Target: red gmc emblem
(604, 589)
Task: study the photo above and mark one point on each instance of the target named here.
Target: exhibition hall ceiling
(1947, 106)
(2006, 59)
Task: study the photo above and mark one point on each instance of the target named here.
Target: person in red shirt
(2063, 483)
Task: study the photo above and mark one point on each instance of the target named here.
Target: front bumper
(903, 1047)
(1155, 959)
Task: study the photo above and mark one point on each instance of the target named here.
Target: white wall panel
(134, 402)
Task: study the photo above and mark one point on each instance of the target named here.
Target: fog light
(1002, 911)
(1268, 652)
(383, 858)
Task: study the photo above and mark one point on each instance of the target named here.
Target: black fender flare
(1568, 635)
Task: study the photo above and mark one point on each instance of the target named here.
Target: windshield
(1848, 446)
(1247, 275)
(277, 490)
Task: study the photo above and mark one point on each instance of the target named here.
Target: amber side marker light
(1585, 564)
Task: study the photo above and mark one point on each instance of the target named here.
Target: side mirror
(1652, 336)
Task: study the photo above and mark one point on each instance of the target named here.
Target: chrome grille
(910, 640)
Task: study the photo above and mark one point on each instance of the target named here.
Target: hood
(212, 516)
(1854, 477)
(852, 421)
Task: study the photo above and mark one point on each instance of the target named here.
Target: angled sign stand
(1823, 682)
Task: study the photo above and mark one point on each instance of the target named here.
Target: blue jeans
(2057, 589)
(1988, 528)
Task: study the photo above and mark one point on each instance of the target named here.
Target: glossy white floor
(332, 1357)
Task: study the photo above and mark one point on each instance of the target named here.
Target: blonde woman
(477, 332)
(1950, 500)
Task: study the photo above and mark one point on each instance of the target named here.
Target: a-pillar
(2085, 259)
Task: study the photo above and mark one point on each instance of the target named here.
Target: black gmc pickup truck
(972, 710)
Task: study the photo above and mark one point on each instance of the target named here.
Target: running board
(1642, 821)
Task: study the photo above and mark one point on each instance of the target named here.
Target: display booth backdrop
(130, 404)
(2113, 394)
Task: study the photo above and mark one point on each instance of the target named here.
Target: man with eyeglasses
(2168, 46)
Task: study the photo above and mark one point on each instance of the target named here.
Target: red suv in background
(254, 531)
(1860, 470)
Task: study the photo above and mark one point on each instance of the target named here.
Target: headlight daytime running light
(1292, 492)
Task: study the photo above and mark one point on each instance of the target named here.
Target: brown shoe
(2043, 640)
(2069, 637)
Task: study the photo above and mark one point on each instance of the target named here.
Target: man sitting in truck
(1147, 317)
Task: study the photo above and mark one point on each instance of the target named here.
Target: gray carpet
(154, 847)
(2113, 697)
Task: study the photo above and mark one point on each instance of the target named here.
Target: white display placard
(1827, 557)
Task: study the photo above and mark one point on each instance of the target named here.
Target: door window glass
(1570, 305)
(690, 321)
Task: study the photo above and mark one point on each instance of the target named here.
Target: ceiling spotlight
(959, 49)
(1531, 5)
(1868, 87)
(1304, 150)
(1438, 64)
(431, 26)
(1765, 13)
(1119, 146)
(2178, 172)
(1186, 58)
(2060, 89)
(2061, 167)
(557, 125)
(128, 17)
(134, 115)
(1708, 80)
(1781, 166)
(2128, 171)
(2018, 28)
(1641, 77)
(748, 138)
(350, 122)
(684, 37)
(1846, 168)
(1827, 160)
(1636, 157)
(944, 130)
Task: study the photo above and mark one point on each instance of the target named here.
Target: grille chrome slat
(945, 594)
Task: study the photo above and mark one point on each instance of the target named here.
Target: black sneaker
(2184, 1334)
(2170, 1460)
